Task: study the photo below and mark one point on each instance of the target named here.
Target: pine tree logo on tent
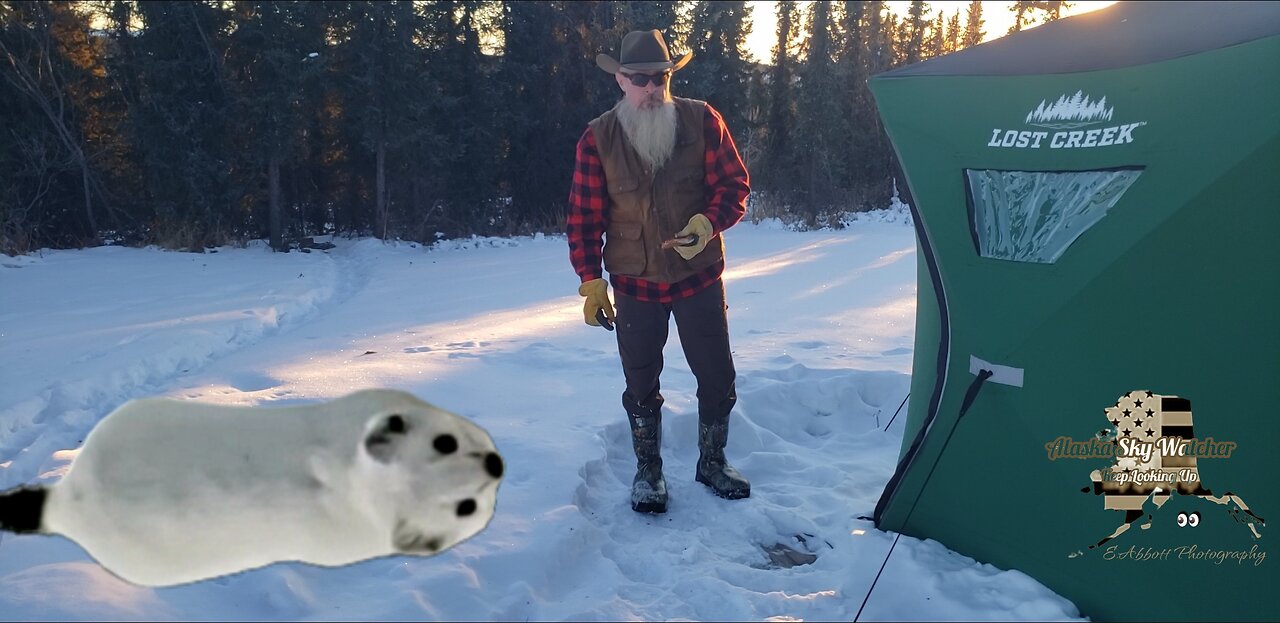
(1061, 120)
(1069, 112)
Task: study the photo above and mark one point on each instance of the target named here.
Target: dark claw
(603, 319)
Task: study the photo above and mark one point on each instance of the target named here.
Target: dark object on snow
(306, 244)
(786, 557)
(21, 509)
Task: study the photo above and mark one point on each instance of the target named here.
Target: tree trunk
(415, 209)
(381, 198)
(273, 204)
(88, 203)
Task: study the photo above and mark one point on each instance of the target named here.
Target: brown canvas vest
(647, 207)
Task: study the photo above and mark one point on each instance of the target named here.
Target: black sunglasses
(642, 80)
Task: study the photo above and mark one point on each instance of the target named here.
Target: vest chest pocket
(623, 185)
(624, 249)
(693, 179)
(688, 195)
(627, 202)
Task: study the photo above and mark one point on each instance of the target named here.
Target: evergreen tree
(973, 32)
(751, 139)
(1028, 12)
(553, 89)
(894, 38)
(897, 36)
(1019, 10)
(880, 39)
(392, 106)
(719, 72)
(779, 170)
(937, 40)
(539, 136)
(854, 46)
(468, 121)
(913, 33)
(644, 15)
(818, 146)
(179, 117)
(854, 68)
(192, 122)
(865, 175)
(952, 42)
(275, 49)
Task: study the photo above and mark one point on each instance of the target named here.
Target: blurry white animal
(166, 492)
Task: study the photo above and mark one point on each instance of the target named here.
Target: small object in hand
(603, 319)
(682, 241)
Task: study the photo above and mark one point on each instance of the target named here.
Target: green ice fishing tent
(1097, 207)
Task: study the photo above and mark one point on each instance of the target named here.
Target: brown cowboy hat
(642, 51)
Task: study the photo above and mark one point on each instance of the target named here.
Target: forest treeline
(198, 123)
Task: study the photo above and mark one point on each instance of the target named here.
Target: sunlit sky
(996, 15)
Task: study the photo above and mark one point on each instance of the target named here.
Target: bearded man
(657, 180)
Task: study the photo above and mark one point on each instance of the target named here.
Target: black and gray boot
(713, 470)
(649, 489)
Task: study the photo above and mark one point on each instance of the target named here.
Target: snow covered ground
(821, 324)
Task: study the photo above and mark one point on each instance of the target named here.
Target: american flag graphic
(1147, 417)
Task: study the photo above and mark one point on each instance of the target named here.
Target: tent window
(1033, 216)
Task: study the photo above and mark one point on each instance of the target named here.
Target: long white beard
(651, 131)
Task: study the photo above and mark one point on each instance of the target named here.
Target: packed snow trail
(105, 348)
(821, 325)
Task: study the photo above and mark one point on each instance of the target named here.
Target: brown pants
(704, 334)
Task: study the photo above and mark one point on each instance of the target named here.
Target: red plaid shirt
(725, 176)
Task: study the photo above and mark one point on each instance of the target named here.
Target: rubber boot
(649, 489)
(713, 470)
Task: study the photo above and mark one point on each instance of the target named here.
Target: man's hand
(699, 226)
(597, 293)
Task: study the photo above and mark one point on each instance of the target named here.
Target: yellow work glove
(700, 226)
(597, 293)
